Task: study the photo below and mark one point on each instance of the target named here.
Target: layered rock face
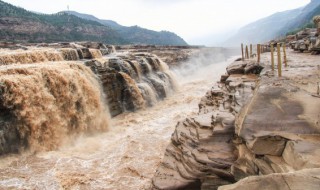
(133, 81)
(202, 149)
(262, 133)
(279, 131)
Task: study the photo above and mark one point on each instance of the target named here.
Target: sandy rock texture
(261, 131)
(202, 151)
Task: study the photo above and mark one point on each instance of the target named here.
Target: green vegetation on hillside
(136, 34)
(20, 25)
(295, 31)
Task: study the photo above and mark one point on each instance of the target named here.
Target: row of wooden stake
(262, 49)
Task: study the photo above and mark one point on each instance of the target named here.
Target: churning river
(125, 157)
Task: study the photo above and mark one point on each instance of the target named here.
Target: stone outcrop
(316, 45)
(133, 81)
(262, 133)
(305, 179)
(279, 128)
(202, 149)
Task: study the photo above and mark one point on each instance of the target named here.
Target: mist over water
(126, 156)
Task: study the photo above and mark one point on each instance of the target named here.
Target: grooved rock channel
(202, 151)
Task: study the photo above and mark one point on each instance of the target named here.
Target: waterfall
(132, 81)
(30, 56)
(69, 54)
(95, 53)
(48, 95)
(42, 104)
(148, 93)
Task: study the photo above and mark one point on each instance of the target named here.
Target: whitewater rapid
(125, 157)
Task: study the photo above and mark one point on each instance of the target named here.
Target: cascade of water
(29, 56)
(95, 53)
(131, 95)
(69, 54)
(144, 65)
(148, 93)
(136, 66)
(42, 104)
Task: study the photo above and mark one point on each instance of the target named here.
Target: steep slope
(20, 25)
(136, 34)
(276, 25)
(110, 23)
(17, 24)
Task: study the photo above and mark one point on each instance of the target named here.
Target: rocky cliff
(249, 125)
(202, 149)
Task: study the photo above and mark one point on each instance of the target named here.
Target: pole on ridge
(279, 61)
(242, 52)
(258, 52)
(284, 55)
(247, 52)
(272, 56)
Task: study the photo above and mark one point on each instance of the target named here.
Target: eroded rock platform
(259, 130)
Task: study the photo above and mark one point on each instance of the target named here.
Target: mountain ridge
(135, 34)
(20, 25)
(275, 25)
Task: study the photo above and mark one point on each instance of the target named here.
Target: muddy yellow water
(125, 157)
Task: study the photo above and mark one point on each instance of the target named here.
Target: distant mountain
(20, 25)
(276, 25)
(136, 34)
(110, 23)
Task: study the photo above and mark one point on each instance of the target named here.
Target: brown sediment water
(69, 54)
(49, 102)
(125, 157)
(148, 93)
(30, 56)
(135, 93)
(95, 53)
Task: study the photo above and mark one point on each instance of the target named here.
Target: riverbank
(281, 129)
(124, 157)
(249, 126)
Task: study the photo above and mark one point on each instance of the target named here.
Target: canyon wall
(253, 131)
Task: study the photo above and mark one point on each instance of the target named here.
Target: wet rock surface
(133, 81)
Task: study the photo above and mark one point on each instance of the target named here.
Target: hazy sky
(197, 21)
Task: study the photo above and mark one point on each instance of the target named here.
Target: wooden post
(242, 52)
(279, 61)
(247, 53)
(258, 52)
(250, 50)
(284, 55)
(318, 88)
(272, 56)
